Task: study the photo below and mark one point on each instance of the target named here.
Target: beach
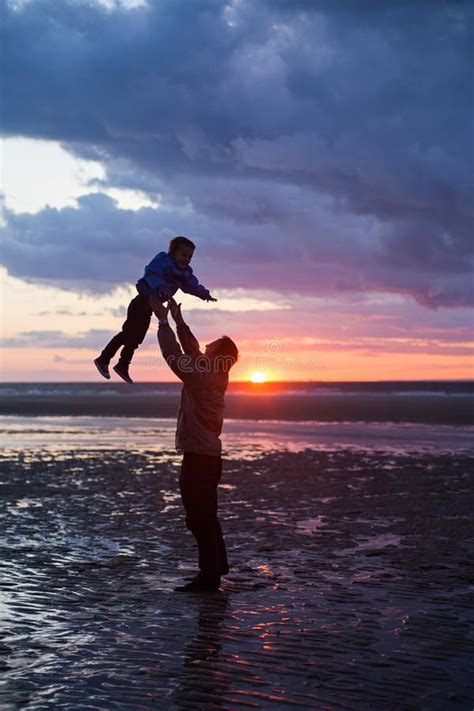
(242, 223)
(351, 583)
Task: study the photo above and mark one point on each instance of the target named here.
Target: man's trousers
(200, 475)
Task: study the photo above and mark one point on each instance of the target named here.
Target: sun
(258, 377)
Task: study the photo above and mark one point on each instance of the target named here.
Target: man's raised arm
(188, 340)
(181, 364)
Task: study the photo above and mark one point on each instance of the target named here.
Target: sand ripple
(351, 585)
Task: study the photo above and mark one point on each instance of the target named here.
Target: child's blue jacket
(163, 278)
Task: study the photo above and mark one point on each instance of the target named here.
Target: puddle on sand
(309, 525)
(373, 543)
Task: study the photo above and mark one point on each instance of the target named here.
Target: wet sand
(351, 584)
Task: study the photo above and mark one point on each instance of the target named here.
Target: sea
(381, 388)
(259, 417)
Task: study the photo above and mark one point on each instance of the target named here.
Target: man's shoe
(200, 583)
(122, 371)
(102, 367)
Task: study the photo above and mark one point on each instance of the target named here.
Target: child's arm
(192, 286)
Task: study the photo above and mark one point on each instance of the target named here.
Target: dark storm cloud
(316, 146)
(98, 247)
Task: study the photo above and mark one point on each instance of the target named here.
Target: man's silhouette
(205, 378)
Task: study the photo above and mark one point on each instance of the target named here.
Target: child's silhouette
(164, 275)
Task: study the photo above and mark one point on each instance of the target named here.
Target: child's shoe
(122, 371)
(103, 367)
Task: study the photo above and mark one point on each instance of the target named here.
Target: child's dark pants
(200, 475)
(133, 331)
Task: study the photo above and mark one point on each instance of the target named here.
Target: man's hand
(175, 310)
(159, 309)
(211, 298)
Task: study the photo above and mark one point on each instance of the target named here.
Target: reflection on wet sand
(242, 439)
(202, 679)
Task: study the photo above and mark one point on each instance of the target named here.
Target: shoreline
(240, 438)
(439, 409)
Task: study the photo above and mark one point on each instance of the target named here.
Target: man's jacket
(201, 410)
(163, 278)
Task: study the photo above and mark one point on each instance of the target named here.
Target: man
(205, 378)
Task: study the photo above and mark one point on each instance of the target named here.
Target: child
(165, 274)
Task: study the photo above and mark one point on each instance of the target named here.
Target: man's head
(223, 353)
(181, 249)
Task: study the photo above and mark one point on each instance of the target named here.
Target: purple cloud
(308, 147)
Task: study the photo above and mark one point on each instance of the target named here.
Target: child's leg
(112, 347)
(134, 328)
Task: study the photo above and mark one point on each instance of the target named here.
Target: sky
(318, 152)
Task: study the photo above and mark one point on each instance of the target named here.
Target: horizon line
(247, 381)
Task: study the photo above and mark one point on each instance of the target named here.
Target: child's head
(181, 249)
